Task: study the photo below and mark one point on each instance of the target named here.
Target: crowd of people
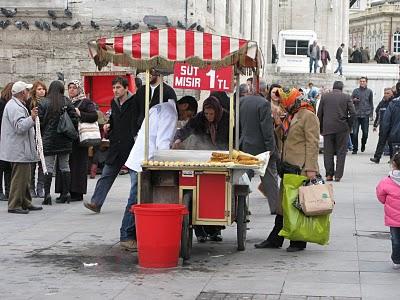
(287, 122)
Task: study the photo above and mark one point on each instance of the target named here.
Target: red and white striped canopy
(163, 47)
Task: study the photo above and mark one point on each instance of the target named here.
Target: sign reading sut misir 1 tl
(195, 78)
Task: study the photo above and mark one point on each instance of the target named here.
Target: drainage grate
(232, 296)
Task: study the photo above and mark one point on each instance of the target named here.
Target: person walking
(388, 193)
(38, 92)
(339, 59)
(336, 114)
(298, 144)
(17, 146)
(314, 53)
(56, 145)
(325, 59)
(5, 166)
(122, 128)
(380, 113)
(363, 100)
(78, 158)
(390, 126)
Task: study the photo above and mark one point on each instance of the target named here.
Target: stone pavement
(43, 253)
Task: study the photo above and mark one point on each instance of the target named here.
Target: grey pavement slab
(43, 253)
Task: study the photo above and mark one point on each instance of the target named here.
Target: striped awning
(161, 48)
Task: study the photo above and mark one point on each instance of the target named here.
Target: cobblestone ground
(43, 253)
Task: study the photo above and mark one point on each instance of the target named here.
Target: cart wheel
(241, 215)
(187, 231)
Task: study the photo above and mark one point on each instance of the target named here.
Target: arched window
(396, 42)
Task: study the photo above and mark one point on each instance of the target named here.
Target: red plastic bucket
(158, 231)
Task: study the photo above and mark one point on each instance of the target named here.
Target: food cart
(212, 190)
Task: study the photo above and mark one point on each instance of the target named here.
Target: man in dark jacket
(155, 81)
(390, 126)
(380, 113)
(256, 125)
(336, 115)
(356, 56)
(339, 58)
(122, 128)
(363, 100)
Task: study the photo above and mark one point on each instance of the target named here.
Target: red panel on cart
(187, 179)
(99, 89)
(212, 196)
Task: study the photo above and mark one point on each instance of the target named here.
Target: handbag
(89, 134)
(65, 125)
(320, 63)
(316, 200)
(284, 167)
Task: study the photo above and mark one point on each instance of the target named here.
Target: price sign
(195, 78)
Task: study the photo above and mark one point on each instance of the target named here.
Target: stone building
(35, 53)
(378, 25)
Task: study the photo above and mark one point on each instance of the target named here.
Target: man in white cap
(17, 146)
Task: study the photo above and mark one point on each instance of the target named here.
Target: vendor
(209, 129)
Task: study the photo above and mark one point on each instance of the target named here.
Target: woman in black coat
(5, 166)
(78, 159)
(56, 145)
(210, 126)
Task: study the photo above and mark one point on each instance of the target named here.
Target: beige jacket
(301, 146)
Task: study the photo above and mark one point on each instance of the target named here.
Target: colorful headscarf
(292, 101)
(213, 103)
(81, 92)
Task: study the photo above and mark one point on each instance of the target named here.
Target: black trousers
(335, 144)
(277, 239)
(381, 146)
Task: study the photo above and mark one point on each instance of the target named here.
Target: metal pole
(231, 123)
(237, 107)
(162, 88)
(146, 116)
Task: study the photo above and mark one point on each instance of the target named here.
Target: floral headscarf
(213, 103)
(81, 92)
(292, 101)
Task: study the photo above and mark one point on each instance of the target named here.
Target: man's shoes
(216, 238)
(128, 245)
(201, 239)
(92, 207)
(374, 160)
(337, 179)
(294, 249)
(267, 244)
(32, 207)
(354, 152)
(329, 178)
(396, 266)
(362, 148)
(18, 211)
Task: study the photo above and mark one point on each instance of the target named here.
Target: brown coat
(301, 146)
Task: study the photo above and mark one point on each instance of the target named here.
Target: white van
(292, 50)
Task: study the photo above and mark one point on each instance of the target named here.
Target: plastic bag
(296, 225)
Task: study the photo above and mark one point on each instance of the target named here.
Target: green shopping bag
(296, 225)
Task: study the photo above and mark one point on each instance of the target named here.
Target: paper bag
(316, 200)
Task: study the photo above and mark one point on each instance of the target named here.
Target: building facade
(33, 53)
(378, 25)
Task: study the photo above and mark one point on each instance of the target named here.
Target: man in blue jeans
(163, 119)
(121, 129)
(314, 53)
(339, 59)
(363, 100)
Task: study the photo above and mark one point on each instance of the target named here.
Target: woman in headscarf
(209, 129)
(298, 143)
(79, 158)
(38, 92)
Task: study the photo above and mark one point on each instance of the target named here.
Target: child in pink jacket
(388, 192)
